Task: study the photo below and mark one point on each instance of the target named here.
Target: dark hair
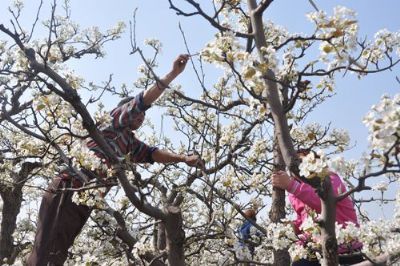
(306, 152)
(125, 100)
(303, 151)
(250, 214)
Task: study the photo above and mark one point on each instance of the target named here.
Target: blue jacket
(244, 231)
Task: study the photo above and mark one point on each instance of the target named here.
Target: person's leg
(48, 207)
(59, 222)
(304, 262)
(350, 259)
(71, 220)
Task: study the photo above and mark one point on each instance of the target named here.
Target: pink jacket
(303, 197)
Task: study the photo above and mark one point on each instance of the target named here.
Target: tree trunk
(175, 236)
(282, 133)
(11, 207)
(277, 211)
(12, 199)
(161, 238)
(328, 216)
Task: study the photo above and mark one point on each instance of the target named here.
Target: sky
(155, 20)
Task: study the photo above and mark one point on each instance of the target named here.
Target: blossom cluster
(385, 42)
(96, 244)
(281, 234)
(383, 122)
(258, 151)
(83, 157)
(314, 166)
(154, 43)
(90, 197)
(102, 117)
(308, 134)
(340, 31)
(142, 247)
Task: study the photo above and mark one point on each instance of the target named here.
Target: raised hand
(180, 64)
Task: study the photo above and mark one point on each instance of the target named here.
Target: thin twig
(313, 5)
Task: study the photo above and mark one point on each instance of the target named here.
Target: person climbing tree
(60, 220)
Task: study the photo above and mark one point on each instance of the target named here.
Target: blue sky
(155, 19)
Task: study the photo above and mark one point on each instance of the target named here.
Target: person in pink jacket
(304, 200)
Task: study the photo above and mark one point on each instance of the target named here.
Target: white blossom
(312, 166)
(383, 122)
(382, 186)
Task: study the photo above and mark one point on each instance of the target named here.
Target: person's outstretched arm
(164, 156)
(152, 94)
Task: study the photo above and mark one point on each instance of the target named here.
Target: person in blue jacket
(245, 233)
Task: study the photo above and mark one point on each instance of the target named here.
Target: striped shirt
(119, 135)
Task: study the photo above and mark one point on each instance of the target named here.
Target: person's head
(301, 153)
(250, 214)
(137, 121)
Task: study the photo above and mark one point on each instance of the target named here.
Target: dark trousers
(343, 260)
(59, 222)
(304, 262)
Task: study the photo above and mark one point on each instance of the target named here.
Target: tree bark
(11, 207)
(328, 216)
(282, 132)
(277, 211)
(175, 236)
(12, 200)
(161, 238)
